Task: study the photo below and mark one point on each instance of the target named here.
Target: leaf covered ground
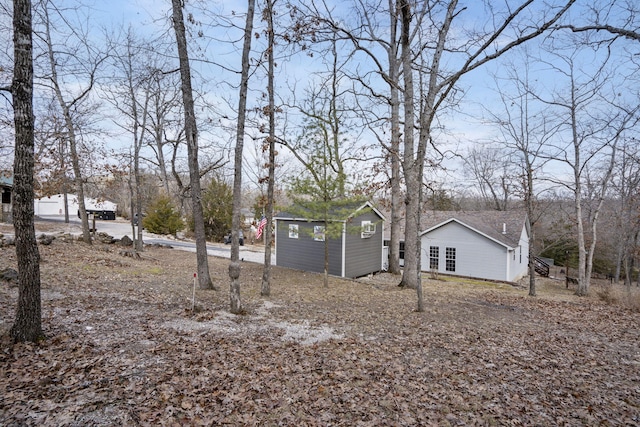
(125, 348)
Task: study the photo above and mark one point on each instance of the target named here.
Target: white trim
(369, 205)
(343, 268)
(382, 260)
(274, 252)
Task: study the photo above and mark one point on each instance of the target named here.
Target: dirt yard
(125, 348)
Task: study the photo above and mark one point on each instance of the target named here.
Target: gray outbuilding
(6, 189)
(358, 251)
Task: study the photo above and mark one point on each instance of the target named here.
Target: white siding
(518, 268)
(476, 255)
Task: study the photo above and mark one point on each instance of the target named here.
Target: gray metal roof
(489, 223)
(340, 210)
(503, 226)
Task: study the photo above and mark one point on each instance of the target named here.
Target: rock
(10, 276)
(45, 239)
(126, 241)
(7, 241)
(105, 238)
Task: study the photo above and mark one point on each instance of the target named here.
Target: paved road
(120, 228)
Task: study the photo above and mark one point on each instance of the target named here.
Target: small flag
(261, 225)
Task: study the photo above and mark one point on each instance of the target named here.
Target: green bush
(162, 217)
(217, 208)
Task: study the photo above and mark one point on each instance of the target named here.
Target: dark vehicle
(227, 238)
(107, 215)
(136, 218)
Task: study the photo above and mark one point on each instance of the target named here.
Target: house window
(401, 251)
(368, 229)
(293, 231)
(434, 254)
(450, 259)
(520, 254)
(318, 233)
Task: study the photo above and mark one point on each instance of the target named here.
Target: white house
(54, 205)
(492, 245)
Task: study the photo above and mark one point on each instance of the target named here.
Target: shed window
(450, 258)
(434, 257)
(293, 231)
(318, 233)
(368, 229)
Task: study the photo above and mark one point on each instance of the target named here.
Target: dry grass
(623, 296)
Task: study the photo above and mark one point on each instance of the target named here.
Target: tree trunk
(583, 286)
(65, 201)
(28, 323)
(531, 222)
(410, 276)
(325, 278)
(71, 132)
(234, 266)
(265, 289)
(77, 171)
(396, 198)
(191, 133)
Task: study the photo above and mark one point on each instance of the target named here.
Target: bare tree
(268, 14)
(611, 19)
(326, 116)
(28, 324)
(52, 156)
(412, 172)
(490, 168)
(625, 185)
(439, 84)
(526, 132)
(191, 133)
(234, 265)
(594, 125)
(365, 30)
(129, 93)
(366, 38)
(164, 112)
(69, 101)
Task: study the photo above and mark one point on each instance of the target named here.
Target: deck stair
(541, 267)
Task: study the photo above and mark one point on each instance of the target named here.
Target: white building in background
(490, 245)
(54, 205)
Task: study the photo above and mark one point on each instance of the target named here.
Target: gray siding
(476, 255)
(304, 253)
(363, 256)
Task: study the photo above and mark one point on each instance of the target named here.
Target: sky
(215, 62)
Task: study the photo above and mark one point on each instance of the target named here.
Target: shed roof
(343, 211)
(6, 179)
(504, 227)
